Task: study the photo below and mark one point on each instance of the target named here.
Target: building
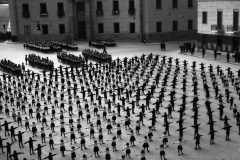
(3, 1)
(218, 25)
(53, 17)
(4, 18)
(121, 20)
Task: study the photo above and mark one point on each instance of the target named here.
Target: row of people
(70, 59)
(42, 46)
(10, 67)
(68, 45)
(39, 62)
(97, 56)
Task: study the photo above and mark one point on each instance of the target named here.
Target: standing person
(215, 54)
(162, 152)
(104, 49)
(180, 148)
(128, 151)
(228, 56)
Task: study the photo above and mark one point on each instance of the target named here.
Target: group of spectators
(5, 36)
(187, 47)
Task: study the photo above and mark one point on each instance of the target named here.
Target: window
(25, 11)
(60, 9)
(131, 9)
(44, 29)
(190, 24)
(27, 30)
(61, 28)
(116, 28)
(204, 17)
(219, 19)
(99, 5)
(99, 8)
(235, 20)
(175, 3)
(43, 9)
(158, 4)
(175, 25)
(159, 26)
(132, 27)
(80, 6)
(115, 7)
(100, 28)
(190, 3)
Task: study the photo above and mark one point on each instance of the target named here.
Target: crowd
(5, 36)
(70, 59)
(10, 67)
(131, 101)
(97, 56)
(39, 62)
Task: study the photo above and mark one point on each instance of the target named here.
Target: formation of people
(96, 55)
(68, 45)
(44, 47)
(5, 36)
(10, 67)
(132, 98)
(70, 59)
(39, 62)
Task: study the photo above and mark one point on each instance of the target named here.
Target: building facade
(54, 18)
(218, 25)
(121, 20)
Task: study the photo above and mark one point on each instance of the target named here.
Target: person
(50, 156)
(228, 56)
(203, 52)
(215, 54)
(162, 152)
(104, 49)
(180, 148)
(128, 151)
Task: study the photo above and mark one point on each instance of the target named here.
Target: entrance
(81, 29)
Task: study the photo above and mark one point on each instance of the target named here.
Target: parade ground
(221, 150)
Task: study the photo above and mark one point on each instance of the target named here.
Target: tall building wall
(84, 22)
(52, 20)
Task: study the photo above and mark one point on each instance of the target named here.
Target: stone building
(121, 20)
(218, 25)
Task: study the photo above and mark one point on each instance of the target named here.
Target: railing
(99, 12)
(115, 12)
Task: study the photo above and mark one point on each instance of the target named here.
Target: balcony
(26, 14)
(115, 12)
(217, 28)
(233, 29)
(61, 14)
(43, 14)
(131, 11)
(99, 12)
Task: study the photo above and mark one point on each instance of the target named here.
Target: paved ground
(221, 150)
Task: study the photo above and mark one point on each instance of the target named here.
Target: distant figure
(228, 56)
(104, 49)
(203, 52)
(215, 54)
